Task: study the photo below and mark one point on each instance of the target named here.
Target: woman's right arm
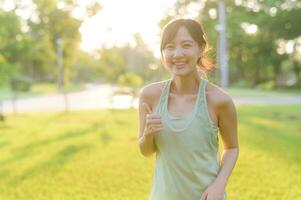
(148, 123)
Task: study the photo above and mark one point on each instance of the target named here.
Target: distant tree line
(264, 39)
(264, 43)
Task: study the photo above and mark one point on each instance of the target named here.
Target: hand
(153, 121)
(215, 191)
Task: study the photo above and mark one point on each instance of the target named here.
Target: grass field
(94, 155)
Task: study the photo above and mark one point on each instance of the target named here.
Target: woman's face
(180, 56)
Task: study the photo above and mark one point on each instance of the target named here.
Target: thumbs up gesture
(153, 121)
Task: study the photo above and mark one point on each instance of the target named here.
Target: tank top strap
(163, 97)
(202, 92)
(203, 111)
(201, 96)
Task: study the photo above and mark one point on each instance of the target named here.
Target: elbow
(232, 150)
(146, 152)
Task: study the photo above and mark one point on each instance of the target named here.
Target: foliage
(6, 70)
(130, 79)
(53, 24)
(28, 46)
(254, 57)
(116, 61)
(19, 83)
(11, 45)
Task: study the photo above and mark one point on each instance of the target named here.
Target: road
(100, 97)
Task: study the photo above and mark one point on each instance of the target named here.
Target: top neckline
(192, 113)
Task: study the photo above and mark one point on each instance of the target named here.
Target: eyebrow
(187, 41)
(184, 41)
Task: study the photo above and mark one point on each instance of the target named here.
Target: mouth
(179, 67)
(179, 64)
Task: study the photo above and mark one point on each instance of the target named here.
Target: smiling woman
(180, 119)
(118, 21)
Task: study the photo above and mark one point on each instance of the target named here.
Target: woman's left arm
(227, 123)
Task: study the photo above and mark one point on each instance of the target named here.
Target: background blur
(70, 76)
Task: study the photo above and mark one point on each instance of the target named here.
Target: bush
(130, 79)
(20, 83)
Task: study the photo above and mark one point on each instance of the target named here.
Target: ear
(199, 59)
(201, 55)
(202, 49)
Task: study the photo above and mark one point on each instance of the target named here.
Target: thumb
(204, 196)
(147, 108)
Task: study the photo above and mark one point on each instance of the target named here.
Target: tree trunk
(297, 72)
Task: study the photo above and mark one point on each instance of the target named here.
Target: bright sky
(119, 20)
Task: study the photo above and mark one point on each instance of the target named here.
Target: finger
(156, 116)
(204, 196)
(147, 108)
(152, 126)
(158, 126)
(154, 121)
(156, 130)
(150, 118)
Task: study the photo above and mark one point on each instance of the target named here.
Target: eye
(169, 46)
(186, 45)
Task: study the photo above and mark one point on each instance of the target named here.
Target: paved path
(100, 97)
(269, 100)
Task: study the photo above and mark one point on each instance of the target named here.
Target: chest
(181, 106)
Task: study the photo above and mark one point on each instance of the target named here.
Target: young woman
(180, 119)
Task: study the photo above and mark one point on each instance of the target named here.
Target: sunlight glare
(118, 21)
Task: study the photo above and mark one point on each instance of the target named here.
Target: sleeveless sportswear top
(187, 157)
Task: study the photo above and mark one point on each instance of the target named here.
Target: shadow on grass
(56, 161)
(4, 173)
(3, 144)
(267, 133)
(3, 126)
(25, 151)
(105, 137)
(18, 155)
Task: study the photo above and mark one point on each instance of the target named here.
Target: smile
(179, 63)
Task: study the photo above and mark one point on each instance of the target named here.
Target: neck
(185, 85)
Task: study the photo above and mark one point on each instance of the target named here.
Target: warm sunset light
(118, 21)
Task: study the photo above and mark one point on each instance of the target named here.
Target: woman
(180, 119)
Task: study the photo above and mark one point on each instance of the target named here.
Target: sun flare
(118, 21)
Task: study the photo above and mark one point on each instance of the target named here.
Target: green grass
(94, 155)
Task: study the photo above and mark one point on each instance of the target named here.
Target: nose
(178, 52)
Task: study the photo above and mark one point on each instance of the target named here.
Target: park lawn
(94, 155)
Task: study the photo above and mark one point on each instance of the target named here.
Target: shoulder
(217, 97)
(152, 92)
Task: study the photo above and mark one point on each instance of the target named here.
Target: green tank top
(187, 160)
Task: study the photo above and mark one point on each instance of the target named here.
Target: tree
(51, 24)
(254, 56)
(11, 45)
